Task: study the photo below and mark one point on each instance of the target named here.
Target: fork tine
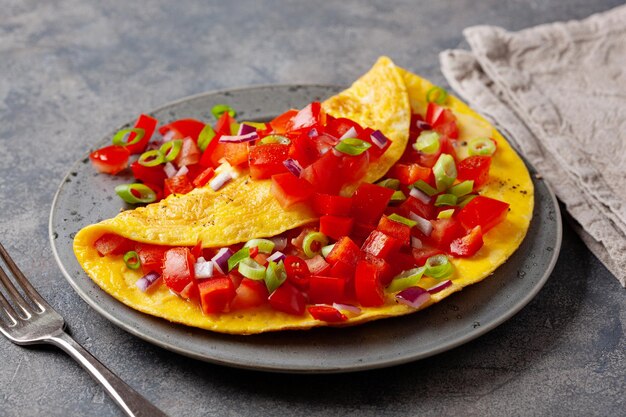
(8, 310)
(29, 290)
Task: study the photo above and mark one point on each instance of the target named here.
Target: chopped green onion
(234, 128)
(392, 183)
(466, 199)
(445, 200)
(406, 279)
(481, 146)
(313, 243)
(205, 137)
(250, 268)
(121, 137)
(219, 109)
(438, 266)
(352, 146)
(436, 95)
(326, 250)
(399, 219)
(445, 171)
(151, 158)
(462, 188)
(275, 139)
(425, 187)
(131, 259)
(237, 257)
(398, 196)
(171, 149)
(264, 245)
(428, 143)
(275, 275)
(445, 214)
(129, 192)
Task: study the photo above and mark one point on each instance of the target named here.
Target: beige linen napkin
(558, 92)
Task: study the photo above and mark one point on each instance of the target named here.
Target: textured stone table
(71, 70)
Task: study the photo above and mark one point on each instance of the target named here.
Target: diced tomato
(178, 268)
(289, 189)
(250, 293)
(345, 250)
(112, 244)
(339, 126)
(183, 128)
(236, 153)
(267, 160)
(334, 205)
(110, 159)
(203, 178)
(324, 174)
(380, 245)
(280, 124)
(447, 146)
(469, 244)
(414, 205)
(445, 231)
(335, 226)
(261, 258)
(297, 271)
(148, 124)
(327, 313)
(326, 290)
(369, 202)
(288, 299)
(433, 113)
(317, 265)
(484, 212)
(216, 294)
(397, 230)
(410, 173)
(151, 256)
(190, 292)
(152, 175)
(309, 117)
(303, 150)
(189, 153)
(353, 168)
(420, 255)
(224, 123)
(179, 184)
(367, 285)
(442, 120)
(474, 168)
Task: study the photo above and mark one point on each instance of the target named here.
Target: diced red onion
(144, 282)
(420, 195)
(239, 138)
(184, 170)
(413, 297)
(280, 243)
(276, 256)
(313, 133)
(169, 135)
(337, 153)
(219, 180)
(203, 268)
(416, 243)
(379, 139)
(221, 259)
(347, 307)
(316, 264)
(245, 129)
(170, 170)
(293, 166)
(350, 133)
(422, 125)
(423, 224)
(441, 286)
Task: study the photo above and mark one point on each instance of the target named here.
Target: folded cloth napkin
(558, 92)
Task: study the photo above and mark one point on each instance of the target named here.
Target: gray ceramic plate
(86, 197)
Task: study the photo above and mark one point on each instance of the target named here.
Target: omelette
(382, 99)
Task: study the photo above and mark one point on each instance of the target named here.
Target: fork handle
(129, 400)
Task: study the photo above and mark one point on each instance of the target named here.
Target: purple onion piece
(245, 129)
(170, 170)
(423, 224)
(221, 259)
(293, 166)
(347, 307)
(379, 139)
(276, 257)
(144, 282)
(422, 125)
(280, 243)
(441, 286)
(204, 269)
(350, 133)
(239, 138)
(416, 243)
(414, 297)
(313, 133)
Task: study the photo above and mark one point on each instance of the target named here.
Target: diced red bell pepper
(385, 270)
(224, 123)
(289, 189)
(442, 120)
(335, 226)
(397, 230)
(288, 299)
(236, 153)
(178, 268)
(445, 231)
(249, 294)
(354, 168)
(327, 313)
(152, 175)
(367, 285)
(345, 250)
(151, 256)
(281, 124)
(297, 271)
(410, 173)
(179, 184)
(303, 150)
(380, 245)
(267, 160)
(325, 174)
(148, 124)
(326, 290)
(401, 261)
(369, 202)
(339, 126)
(189, 153)
(183, 128)
(374, 151)
(112, 244)
(110, 159)
(414, 205)
(469, 244)
(216, 294)
(203, 178)
(335, 205)
(420, 255)
(484, 212)
(474, 168)
(342, 270)
(309, 117)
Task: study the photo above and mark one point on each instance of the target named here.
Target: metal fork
(31, 320)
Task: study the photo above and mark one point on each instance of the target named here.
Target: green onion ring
(406, 279)
(275, 139)
(446, 200)
(436, 95)
(438, 267)
(146, 194)
(312, 238)
(275, 275)
(151, 158)
(400, 219)
(352, 146)
(237, 257)
(445, 171)
(398, 196)
(205, 137)
(425, 187)
(264, 245)
(462, 188)
(219, 109)
(481, 146)
(131, 259)
(392, 183)
(251, 269)
(445, 214)
(121, 137)
(427, 143)
(171, 149)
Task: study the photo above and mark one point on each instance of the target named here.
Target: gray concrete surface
(71, 70)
